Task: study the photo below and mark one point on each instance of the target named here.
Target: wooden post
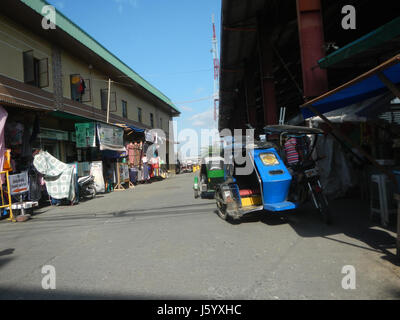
(108, 99)
(119, 186)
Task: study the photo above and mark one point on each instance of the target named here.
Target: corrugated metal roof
(77, 33)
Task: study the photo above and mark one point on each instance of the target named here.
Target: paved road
(157, 241)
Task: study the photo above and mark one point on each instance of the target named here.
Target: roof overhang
(238, 42)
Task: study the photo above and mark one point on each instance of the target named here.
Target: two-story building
(61, 77)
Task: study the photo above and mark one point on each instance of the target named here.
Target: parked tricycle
(211, 173)
(283, 175)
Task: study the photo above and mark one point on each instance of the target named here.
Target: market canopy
(130, 127)
(370, 46)
(380, 80)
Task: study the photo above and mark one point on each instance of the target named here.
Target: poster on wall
(110, 137)
(85, 135)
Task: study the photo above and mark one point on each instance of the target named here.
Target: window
(151, 120)
(104, 98)
(139, 115)
(80, 88)
(36, 72)
(124, 109)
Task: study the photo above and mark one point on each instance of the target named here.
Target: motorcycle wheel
(94, 192)
(221, 207)
(323, 207)
(196, 193)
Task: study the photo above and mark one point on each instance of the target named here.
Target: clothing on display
(130, 148)
(14, 132)
(133, 175)
(35, 189)
(3, 119)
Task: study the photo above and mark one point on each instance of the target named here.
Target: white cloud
(199, 90)
(203, 119)
(185, 108)
(121, 4)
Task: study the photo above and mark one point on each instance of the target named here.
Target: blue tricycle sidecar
(265, 186)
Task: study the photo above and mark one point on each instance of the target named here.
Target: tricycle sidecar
(211, 173)
(264, 187)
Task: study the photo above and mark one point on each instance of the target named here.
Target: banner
(85, 135)
(110, 137)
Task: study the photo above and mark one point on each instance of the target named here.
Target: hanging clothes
(130, 148)
(35, 190)
(3, 119)
(137, 151)
(292, 156)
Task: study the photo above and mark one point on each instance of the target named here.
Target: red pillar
(267, 76)
(311, 34)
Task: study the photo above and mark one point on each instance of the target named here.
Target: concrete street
(157, 241)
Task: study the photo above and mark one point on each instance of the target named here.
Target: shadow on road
(4, 260)
(350, 217)
(7, 252)
(57, 294)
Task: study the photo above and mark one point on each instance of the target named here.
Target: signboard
(85, 135)
(110, 137)
(52, 134)
(123, 172)
(19, 183)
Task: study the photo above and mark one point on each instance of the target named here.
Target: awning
(371, 84)
(370, 44)
(359, 112)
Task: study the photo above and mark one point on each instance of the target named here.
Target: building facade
(62, 75)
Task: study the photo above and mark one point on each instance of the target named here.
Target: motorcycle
(87, 187)
(306, 178)
(274, 185)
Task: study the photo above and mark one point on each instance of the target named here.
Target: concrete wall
(14, 40)
(98, 81)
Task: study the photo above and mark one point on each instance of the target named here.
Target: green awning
(371, 40)
(69, 116)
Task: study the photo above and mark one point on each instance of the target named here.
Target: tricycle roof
(292, 129)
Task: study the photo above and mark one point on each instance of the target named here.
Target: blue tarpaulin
(131, 127)
(364, 87)
(135, 128)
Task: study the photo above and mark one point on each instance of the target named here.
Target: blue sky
(167, 42)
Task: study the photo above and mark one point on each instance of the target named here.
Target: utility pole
(108, 99)
(214, 51)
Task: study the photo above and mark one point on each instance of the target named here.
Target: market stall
(370, 88)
